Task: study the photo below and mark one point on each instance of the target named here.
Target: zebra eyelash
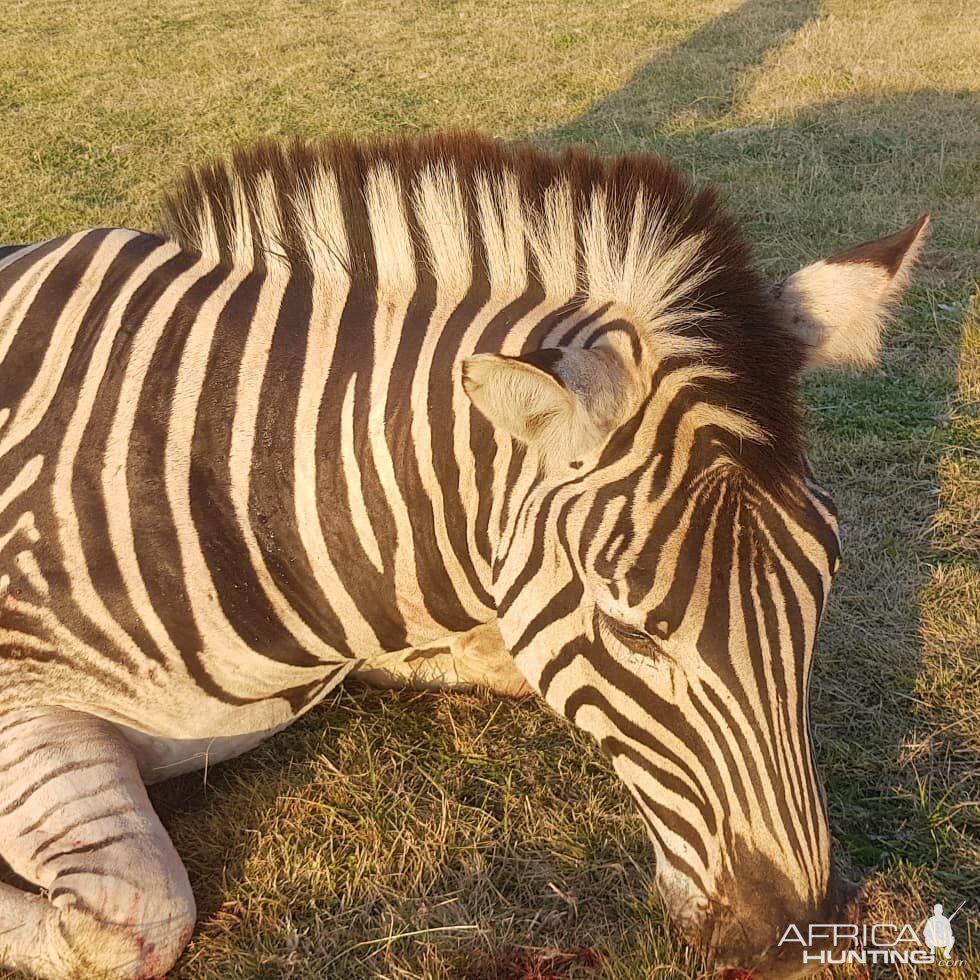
(634, 639)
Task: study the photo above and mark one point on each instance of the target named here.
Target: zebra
(437, 412)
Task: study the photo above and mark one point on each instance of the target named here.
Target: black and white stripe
(366, 407)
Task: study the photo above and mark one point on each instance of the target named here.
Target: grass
(416, 836)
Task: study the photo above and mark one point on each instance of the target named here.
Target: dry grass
(415, 836)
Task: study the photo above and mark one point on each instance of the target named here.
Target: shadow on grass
(457, 828)
(699, 78)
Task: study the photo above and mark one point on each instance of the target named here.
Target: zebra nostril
(736, 973)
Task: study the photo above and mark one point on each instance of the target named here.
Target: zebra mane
(461, 206)
(469, 211)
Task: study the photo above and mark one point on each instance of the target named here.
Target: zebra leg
(475, 659)
(75, 820)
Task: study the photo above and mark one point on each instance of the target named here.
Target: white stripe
(252, 371)
(502, 225)
(396, 261)
(29, 568)
(70, 534)
(233, 663)
(551, 236)
(352, 480)
(23, 523)
(330, 289)
(115, 490)
(23, 481)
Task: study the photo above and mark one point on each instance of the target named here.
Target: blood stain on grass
(522, 964)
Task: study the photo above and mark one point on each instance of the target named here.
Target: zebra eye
(631, 636)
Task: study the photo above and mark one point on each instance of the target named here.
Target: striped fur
(433, 411)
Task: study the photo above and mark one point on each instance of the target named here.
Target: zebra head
(662, 573)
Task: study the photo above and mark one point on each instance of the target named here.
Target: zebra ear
(530, 397)
(839, 306)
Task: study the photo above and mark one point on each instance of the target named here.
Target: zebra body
(270, 641)
(429, 412)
